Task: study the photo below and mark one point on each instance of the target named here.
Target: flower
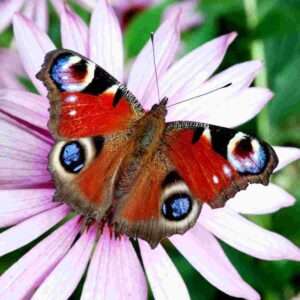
(34, 9)
(54, 266)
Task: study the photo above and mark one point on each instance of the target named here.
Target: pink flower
(53, 267)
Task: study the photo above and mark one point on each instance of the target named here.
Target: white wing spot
(215, 179)
(207, 134)
(71, 99)
(72, 113)
(227, 171)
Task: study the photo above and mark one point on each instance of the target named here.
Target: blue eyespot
(177, 207)
(58, 74)
(72, 157)
(248, 156)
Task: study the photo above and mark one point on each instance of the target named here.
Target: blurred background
(268, 30)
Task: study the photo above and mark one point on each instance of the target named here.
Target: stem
(258, 52)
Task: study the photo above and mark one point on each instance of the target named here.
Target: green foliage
(139, 29)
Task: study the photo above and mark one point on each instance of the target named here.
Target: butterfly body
(118, 164)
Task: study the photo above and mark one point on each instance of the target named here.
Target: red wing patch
(81, 115)
(205, 171)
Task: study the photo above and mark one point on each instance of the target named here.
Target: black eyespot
(177, 207)
(72, 157)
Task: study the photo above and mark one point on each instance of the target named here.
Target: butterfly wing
(218, 162)
(85, 100)
(195, 164)
(90, 115)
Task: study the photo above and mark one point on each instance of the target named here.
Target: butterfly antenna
(195, 97)
(154, 62)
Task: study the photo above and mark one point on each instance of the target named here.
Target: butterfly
(117, 164)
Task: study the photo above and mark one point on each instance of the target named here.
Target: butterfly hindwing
(84, 170)
(159, 204)
(85, 100)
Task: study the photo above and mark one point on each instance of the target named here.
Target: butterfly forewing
(217, 162)
(85, 99)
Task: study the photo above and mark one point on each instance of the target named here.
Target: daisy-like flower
(34, 9)
(54, 266)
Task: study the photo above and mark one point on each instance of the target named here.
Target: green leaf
(6, 38)
(139, 29)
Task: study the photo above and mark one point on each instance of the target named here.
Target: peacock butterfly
(117, 164)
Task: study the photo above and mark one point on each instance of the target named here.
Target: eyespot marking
(71, 73)
(177, 207)
(246, 154)
(72, 157)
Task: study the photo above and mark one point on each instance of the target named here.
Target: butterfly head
(160, 109)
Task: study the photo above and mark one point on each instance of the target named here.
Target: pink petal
(234, 79)
(37, 11)
(246, 236)
(23, 157)
(125, 6)
(205, 254)
(74, 31)
(7, 10)
(9, 80)
(228, 112)
(88, 4)
(189, 18)
(10, 60)
(115, 271)
(11, 68)
(105, 44)
(21, 280)
(18, 205)
(216, 92)
(259, 199)
(162, 274)
(27, 231)
(194, 68)
(32, 44)
(286, 156)
(142, 81)
(63, 280)
(26, 106)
